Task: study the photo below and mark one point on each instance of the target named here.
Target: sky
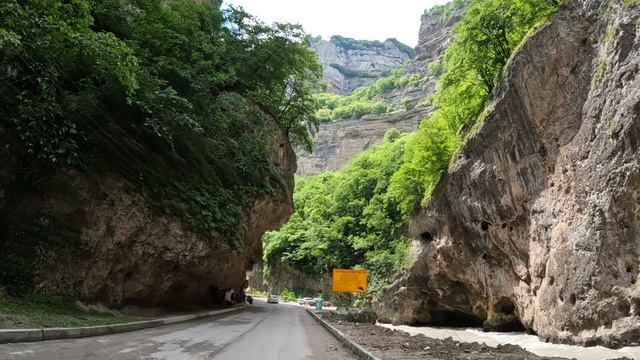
(358, 19)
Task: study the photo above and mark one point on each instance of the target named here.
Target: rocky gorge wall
(537, 222)
(107, 243)
(349, 64)
(336, 143)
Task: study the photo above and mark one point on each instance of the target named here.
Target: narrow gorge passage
(468, 164)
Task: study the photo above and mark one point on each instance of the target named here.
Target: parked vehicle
(305, 301)
(272, 299)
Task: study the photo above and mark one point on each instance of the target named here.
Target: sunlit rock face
(337, 143)
(537, 222)
(349, 64)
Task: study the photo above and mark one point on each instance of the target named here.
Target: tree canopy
(174, 96)
(346, 219)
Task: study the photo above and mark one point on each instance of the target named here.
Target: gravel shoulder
(394, 344)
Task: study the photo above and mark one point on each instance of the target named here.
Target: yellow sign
(349, 280)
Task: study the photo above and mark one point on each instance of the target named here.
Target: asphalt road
(261, 331)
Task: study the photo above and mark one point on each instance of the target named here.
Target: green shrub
(406, 104)
(345, 219)
(435, 68)
(288, 295)
(445, 11)
(361, 102)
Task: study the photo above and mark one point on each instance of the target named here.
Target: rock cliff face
(434, 37)
(349, 64)
(537, 223)
(337, 143)
(127, 252)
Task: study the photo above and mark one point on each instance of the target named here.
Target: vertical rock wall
(537, 223)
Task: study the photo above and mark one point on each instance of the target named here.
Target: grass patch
(38, 311)
(600, 70)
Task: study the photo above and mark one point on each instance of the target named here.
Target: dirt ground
(393, 344)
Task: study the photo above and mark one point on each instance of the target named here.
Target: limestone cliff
(349, 64)
(337, 143)
(537, 221)
(435, 34)
(108, 243)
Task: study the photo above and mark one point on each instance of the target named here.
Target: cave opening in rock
(505, 306)
(507, 311)
(453, 318)
(510, 326)
(426, 237)
(484, 226)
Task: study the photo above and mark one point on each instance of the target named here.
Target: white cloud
(359, 19)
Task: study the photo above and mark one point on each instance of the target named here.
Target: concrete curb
(29, 335)
(360, 351)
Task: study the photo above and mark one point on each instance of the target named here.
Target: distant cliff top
(353, 44)
(407, 77)
(435, 29)
(349, 63)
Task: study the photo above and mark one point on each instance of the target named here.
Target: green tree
(175, 96)
(346, 219)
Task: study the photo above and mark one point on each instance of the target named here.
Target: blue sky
(360, 19)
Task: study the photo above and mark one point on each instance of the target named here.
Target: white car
(272, 299)
(305, 301)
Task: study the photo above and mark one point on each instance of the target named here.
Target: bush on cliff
(484, 40)
(362, 101)
(174, 96)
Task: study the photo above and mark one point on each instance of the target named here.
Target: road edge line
(8, 336)
(358, 349)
